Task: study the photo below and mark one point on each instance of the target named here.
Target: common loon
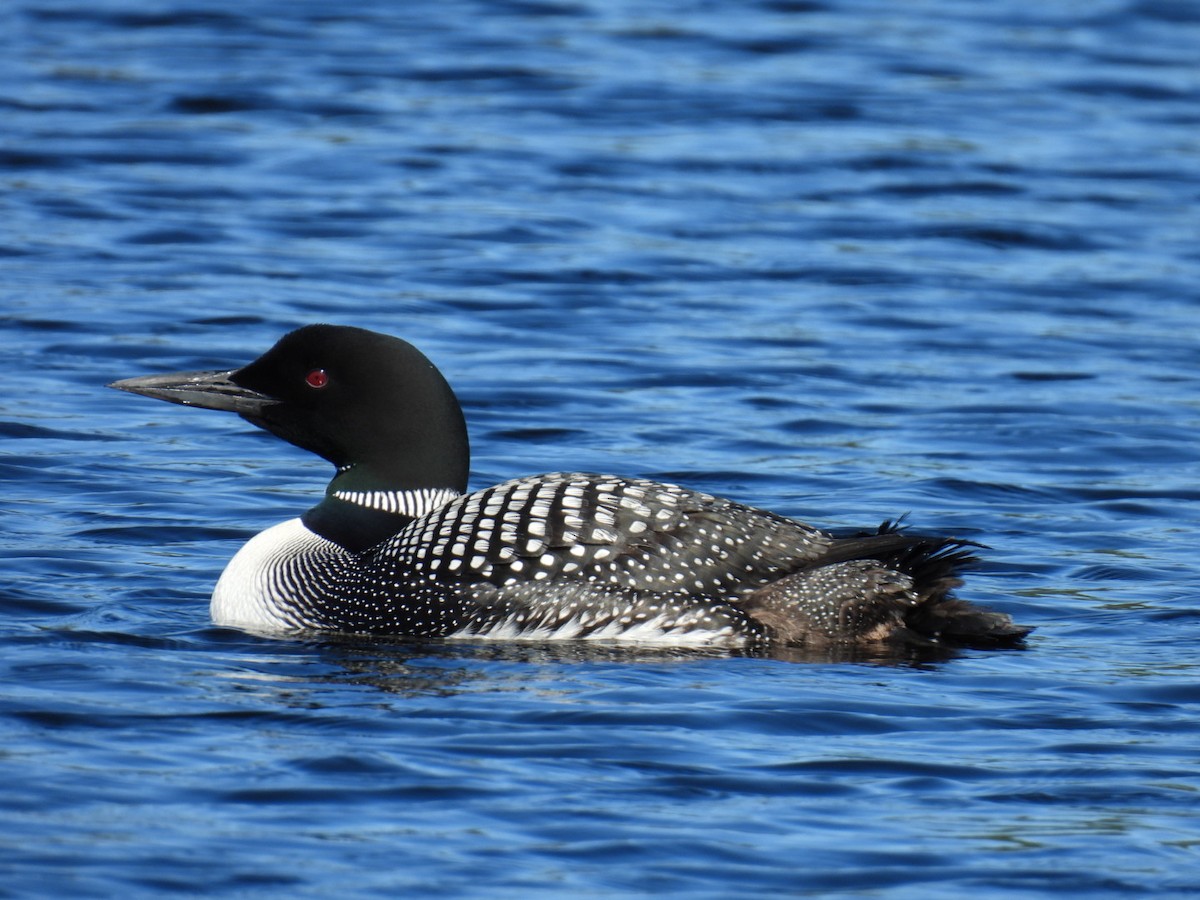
(397, 547)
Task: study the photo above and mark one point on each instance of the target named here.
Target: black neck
(354, 527)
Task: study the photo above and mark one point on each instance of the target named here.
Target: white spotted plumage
(527, 558)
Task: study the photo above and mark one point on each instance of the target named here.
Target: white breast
(256, 592)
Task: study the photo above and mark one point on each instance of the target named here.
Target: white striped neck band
(413, 503)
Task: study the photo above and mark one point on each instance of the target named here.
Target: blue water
(839, 259)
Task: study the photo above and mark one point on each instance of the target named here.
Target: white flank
(660, 631)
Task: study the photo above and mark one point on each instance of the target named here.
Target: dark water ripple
(841, 259)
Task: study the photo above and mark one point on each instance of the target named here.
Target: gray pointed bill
(208, 390)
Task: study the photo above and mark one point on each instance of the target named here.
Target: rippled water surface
(839, 259)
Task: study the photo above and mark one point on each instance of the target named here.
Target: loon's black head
(367, 402)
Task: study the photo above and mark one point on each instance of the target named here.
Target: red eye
(317, 378)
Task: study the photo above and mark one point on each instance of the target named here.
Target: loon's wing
(624, 533)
